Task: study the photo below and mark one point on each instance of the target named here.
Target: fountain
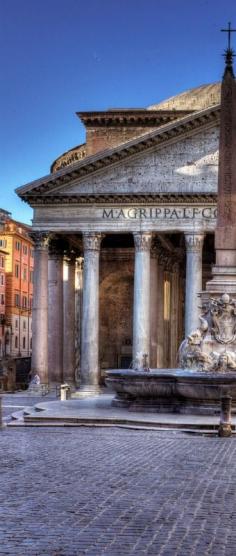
(207, 357)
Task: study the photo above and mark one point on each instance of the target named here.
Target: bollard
(224, 429)
(65, 392)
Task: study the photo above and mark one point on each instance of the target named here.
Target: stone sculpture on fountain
(212, 347)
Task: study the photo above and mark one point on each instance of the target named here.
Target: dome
(193, 99)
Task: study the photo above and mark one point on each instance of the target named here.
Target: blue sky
(62, 56)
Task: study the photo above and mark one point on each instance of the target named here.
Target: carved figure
(190, 352)
(224, 361)
(219, 322)
(223, 319)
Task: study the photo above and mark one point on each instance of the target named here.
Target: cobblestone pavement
(114, 491)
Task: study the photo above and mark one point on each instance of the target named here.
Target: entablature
(172, 215)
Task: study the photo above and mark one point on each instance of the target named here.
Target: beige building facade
(124, 239)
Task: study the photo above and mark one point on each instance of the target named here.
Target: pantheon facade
(124, 238)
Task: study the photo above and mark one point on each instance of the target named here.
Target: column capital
(194, 241)
(142, 241)
(40, 239)
(70, 258)
(92, 241)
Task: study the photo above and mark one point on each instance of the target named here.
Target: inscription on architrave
(159, 213)
(100, 218)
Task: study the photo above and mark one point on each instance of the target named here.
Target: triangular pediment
(188, 166)
(179, 157)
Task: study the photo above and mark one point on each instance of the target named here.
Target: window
(24, 342)
(3, 242)
(31, 276)
(2, 279)
(18, 244)
(2, 299)
(31, 252)
(16, 341)
(30, 303)
(30, 343)
(24, 324)
(25, 250)
(16, 270)
(16, 323)
(2, 262)
(25, 274)
(17, 299)
(24, 302)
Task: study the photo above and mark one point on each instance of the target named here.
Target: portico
(136, 290)
(123, 246)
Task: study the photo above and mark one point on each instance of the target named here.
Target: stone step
(101, 421)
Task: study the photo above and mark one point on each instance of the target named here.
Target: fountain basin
(171, 390)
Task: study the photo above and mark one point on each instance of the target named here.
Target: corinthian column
(141, 314)
(55, 314)
(89, 370)
(69, 320)
(154, 287)
(194, 244)
(39, 361)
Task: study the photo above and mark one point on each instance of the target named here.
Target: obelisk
(212, 346)
(224, 271)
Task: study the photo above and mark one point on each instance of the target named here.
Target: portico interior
(168, 300)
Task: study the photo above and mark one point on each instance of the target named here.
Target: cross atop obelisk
(229, 53)
(229, 31)
(224, 272)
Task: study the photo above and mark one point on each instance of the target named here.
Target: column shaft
(141, 314)
(78, 315)
(39, 361)
(174, 329)
(55, 318)
(90, 314)
(194, 244)
(154, 309)
(160, 316)
(167, 315)
(69, 321)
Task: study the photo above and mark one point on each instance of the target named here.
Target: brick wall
(100, 138)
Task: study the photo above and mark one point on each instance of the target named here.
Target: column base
(87, 390)
(38, 389)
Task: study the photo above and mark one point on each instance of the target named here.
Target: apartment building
(16, 244)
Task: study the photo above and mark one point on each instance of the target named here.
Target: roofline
(124, 199)
(109, 156)
(117, 116)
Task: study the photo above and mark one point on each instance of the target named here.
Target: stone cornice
(148, 198)
(139, 117)
(170, 132)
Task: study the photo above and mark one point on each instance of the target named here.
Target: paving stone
(96, 491)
